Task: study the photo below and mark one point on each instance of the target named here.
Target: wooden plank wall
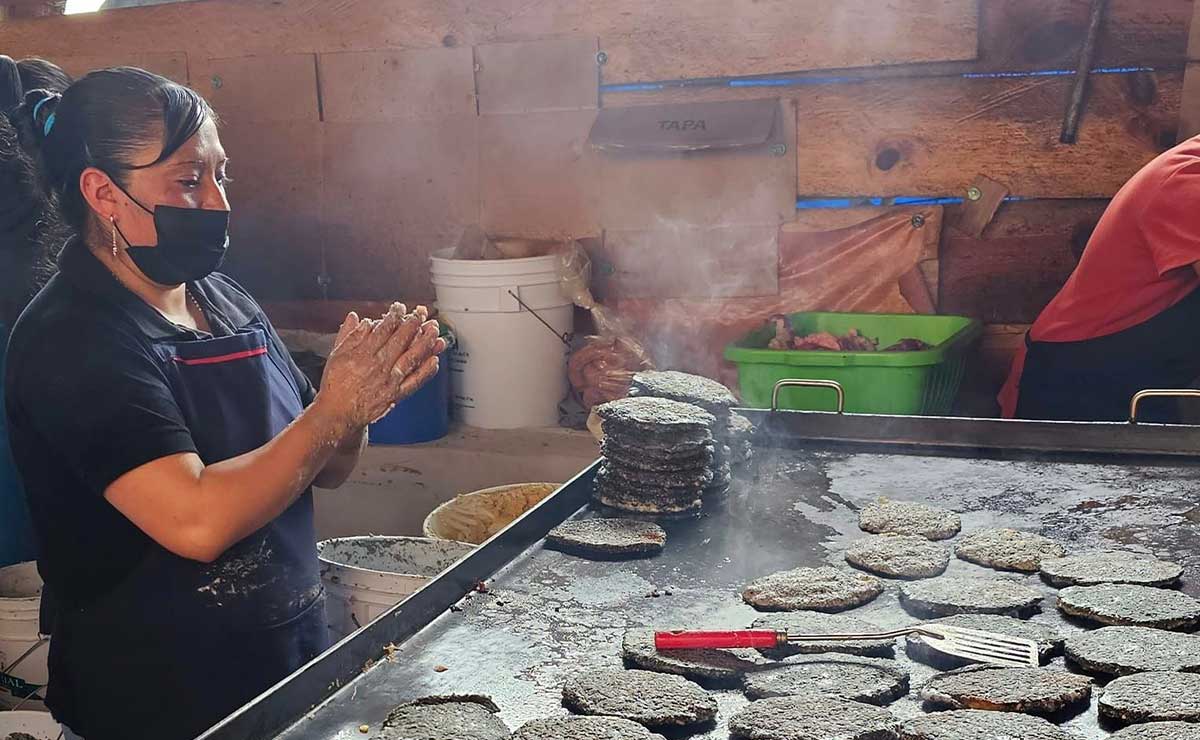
(367, 133)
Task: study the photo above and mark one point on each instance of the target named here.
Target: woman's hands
(376, 363)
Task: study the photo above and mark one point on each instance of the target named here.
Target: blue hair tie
(49, 124)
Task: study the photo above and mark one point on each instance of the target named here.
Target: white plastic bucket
(366, 576)
(20, 600)
(508, 370)
(36, 724)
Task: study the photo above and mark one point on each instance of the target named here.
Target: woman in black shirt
(166, 440)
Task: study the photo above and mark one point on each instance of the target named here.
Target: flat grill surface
(547, 614)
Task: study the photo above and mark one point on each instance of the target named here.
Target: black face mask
(191, 243)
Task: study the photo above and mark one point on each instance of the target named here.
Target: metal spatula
(974, 645)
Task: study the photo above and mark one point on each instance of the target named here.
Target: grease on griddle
(978, 724)
(1120, 651)
(870, 680)
(960, 595)
(1000, 689)
(712, 667)
(1150, 697)
(1049, 640)
(904, 517)
(1126, 604)
(812, 718)
(1110, 566)
(603, 539)
(824, 589)
(584, 728)
(645, 697)
(1008, 549)
(899, 556)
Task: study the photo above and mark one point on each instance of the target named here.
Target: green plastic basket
(875, 382)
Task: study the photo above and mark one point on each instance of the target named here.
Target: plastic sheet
(858, 268)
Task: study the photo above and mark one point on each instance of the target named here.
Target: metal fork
(974, 645)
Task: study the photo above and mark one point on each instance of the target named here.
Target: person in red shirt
(1126, 318)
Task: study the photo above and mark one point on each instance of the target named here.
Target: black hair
(30, 232)
(102, 120)
(38, 74)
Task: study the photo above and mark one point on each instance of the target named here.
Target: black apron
(179, 645)
(1095, 379)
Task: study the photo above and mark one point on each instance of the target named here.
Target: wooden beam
(275, 226)
(643, 41)
(538, 177)
(246, 89)
(1047, 34)
(933, 136)
(673, 39)
(233, 28)
(385, 85)
(1021, 261)
(1014, 36)
(646, 41)
(1189, 108)
(535, 76)
(170, 64)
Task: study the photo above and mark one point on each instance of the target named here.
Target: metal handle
(698, 640)
(1158, 393)
(797, 383)
(565, 337)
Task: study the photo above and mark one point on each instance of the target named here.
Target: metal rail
(980, 437)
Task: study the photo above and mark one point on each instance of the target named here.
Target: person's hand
(374, 364)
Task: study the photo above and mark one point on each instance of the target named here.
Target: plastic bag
(602, 368)
(575, 279)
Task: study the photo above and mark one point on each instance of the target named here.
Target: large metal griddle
(547, 614)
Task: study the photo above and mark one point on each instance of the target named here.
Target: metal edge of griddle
(286, 703)
(960, 436)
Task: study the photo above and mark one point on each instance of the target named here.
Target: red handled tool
(974, 645)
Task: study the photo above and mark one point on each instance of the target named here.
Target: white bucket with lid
(365, 576)
(508, 370)
(20, 603)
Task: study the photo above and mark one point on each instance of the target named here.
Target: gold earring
(112, 220)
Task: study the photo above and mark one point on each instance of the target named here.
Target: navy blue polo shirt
(87, 402)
